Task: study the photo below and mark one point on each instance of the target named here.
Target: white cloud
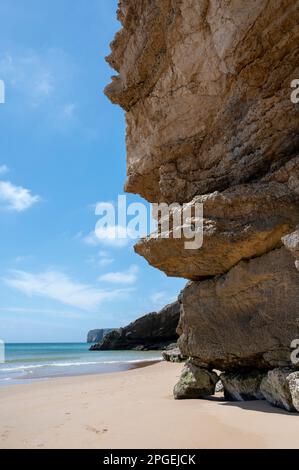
(30, 74)
(16, 198)
(121, 277)
(41, 82)
(4, 169)
(60, 287)
(41, 311)
(101, 259)
(67, 111)
(114, 236)
(104, 262)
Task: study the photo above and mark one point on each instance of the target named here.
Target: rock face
(195, 382)
(95, 336)
(239, 223)
(206, 86)
(239, 320)
(152, 331)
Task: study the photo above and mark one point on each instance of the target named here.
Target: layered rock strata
(206, 86)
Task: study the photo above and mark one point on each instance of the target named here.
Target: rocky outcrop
(173, 355)
(280, 387)
(206, 86)
(239, 223)
(95, 336)
(239, 320)
(152, 331)
(195, 382)
(242, 386)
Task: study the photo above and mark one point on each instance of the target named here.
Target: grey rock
(280, 387)
(173, 355)
(242, 386)
(291, 242)
(195, 382)
(219, 387)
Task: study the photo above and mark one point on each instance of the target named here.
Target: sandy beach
(135, 409)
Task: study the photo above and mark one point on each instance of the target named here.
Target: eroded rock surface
(206, 87)
(242, 386)
(246, 318)
(239, 223)
(195, 382)
(280, 387)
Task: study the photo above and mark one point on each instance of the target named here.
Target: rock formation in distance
(153, 331)
(95, 336)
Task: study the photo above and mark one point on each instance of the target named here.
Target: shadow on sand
(252, 405)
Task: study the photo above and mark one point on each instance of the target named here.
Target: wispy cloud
(41, 311)
(4, 169)
(60, 287)
(160, 299)
(30, 74)
(101, 259)
(121, 277)
(16, 198)
(113, 236)
(41, 82)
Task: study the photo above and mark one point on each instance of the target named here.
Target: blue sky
(62, 151)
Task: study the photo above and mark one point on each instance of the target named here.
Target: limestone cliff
(206, 86)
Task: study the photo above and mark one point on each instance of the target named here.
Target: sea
(28, 362)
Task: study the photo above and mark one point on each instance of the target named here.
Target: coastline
(135, 409)
(31, 362)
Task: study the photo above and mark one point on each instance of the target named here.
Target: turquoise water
(33, 361)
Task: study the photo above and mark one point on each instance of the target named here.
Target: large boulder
(195, 382)
(280, 387)
(240, 386)
(239, 223)
(173, 355)
(152, 331)
(246, 318)
(206, 86)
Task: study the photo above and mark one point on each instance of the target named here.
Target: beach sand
(135, 409)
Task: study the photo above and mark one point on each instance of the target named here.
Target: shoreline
(115, 369)
(32, 362)
(135, 409)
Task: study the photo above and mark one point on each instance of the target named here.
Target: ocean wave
(75, 364)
